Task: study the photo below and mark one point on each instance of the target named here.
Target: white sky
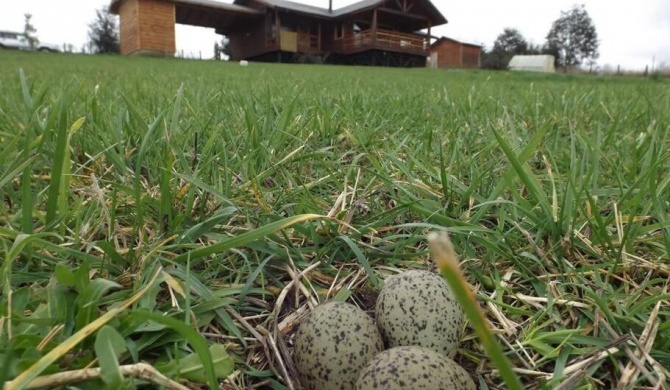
(632, 34)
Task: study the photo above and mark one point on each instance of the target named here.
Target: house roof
(298, 7)
(220, 5)
(349, 9)
(114, 6)
(444, 39)
(437, 17)
(357, 6)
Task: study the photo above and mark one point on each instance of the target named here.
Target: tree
(535, 49)
(506, 45)
(493, 60)
(222, 49)
(30, 32)
(510, 42)
(573, 38)
(68, 48)
(217, 51)
(103, 33)
(225, 47)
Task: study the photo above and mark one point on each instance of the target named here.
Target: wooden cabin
(450, 53)
(370, 32)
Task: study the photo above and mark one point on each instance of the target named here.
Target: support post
(374, 27)
(429, 37)
(278, 27)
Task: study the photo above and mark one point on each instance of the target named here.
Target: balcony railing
(384, 39)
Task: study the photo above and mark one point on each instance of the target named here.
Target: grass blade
(246, 238)
(60, 156)
(445, 257)
(56, 353)
(193, 337)
(109, 344)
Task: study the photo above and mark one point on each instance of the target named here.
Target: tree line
(572, 40)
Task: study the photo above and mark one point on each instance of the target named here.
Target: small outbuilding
(450, 53)
(533, 63)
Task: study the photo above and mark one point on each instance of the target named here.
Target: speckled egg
(333, 344)
(418, 308)
(410, 368)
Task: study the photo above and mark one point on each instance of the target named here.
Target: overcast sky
(632, 33)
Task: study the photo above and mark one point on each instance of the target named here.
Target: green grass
(153, 209)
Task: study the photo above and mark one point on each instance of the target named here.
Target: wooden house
(369, 32)
(450, 53)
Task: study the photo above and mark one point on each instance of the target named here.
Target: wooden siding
(129, 26)
(454, 54)
(157, 30)
(147, 27)
(249, 43)
(448, 54)
(307, 42)
(471, 56)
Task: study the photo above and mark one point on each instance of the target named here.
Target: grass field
(150, 205)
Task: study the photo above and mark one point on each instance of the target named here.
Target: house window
(339, 31)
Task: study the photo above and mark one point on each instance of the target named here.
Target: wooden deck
(385, 40)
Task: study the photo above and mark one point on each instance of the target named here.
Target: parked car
(18, 41)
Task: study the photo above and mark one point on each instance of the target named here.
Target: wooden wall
(470, 57)
(147, 27)
(454, 54)
(129, 26)
(448, 54)
(249, 43)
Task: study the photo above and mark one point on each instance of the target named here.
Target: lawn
(159, 210)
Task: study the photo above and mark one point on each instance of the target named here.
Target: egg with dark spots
(418, 308)
(333, 344)
(410, 368)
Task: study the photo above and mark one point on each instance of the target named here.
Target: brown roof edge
(364, 5)
(442, 39)
(441, 18)
(341, 13)
(114, 7)
(423, 34)
(302, 8)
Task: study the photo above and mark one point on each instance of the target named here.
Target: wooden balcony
(385, 40)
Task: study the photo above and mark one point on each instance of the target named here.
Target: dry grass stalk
(509, 327)
(629, 353)
(140, 370)
(628, 259)
(277, 355)
(645, 344)
(535, 301)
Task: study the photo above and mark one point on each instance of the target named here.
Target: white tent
(537, 63)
